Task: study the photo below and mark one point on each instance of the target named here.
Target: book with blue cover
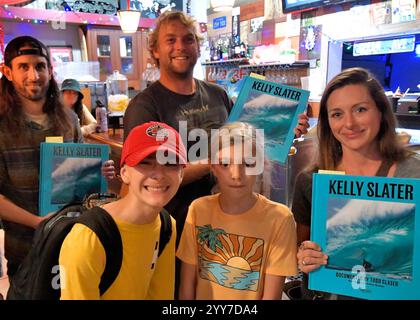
(369, 228)
(69, 172)
(274, 108)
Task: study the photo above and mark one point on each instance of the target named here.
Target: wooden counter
(111, 138)
(115, 141)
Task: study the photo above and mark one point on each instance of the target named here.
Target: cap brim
(72, 89)
(135, 158)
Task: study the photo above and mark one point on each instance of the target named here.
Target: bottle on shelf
(211, 75)
(129, 49)
(237, 49)
(243, 50)
(236, 41)
(215, 53)
(219, 50)
(225, 53)
(231, 49)
(212, 49)
(101, 117)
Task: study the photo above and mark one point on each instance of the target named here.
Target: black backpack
(38, 278)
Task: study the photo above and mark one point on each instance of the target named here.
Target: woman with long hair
(72, 98)
(356, 134)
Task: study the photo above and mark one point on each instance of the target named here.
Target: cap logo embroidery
(158, 132)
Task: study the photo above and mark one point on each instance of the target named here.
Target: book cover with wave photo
(369, 228)
(273, 107)
(69, 172)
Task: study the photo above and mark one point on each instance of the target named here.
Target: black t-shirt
(208, 108)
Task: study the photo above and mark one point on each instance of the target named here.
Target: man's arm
(302, 125)
(13, 213)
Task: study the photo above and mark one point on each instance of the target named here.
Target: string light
(1, 44)
(10, 12)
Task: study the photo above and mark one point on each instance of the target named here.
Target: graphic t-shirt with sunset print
(233, 253)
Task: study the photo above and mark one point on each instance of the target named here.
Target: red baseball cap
(148, 138)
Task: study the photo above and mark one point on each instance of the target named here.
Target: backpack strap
(165, 230)
(104, 226)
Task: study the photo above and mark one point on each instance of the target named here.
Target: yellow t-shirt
(82, 257)
(233, 253)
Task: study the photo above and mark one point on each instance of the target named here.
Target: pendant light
(222, 5)
(129, 19)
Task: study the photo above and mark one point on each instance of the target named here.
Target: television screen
(301, 5)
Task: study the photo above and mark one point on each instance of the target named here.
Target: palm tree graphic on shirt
(230, 260)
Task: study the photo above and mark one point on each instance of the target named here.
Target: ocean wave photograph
(271, 113)
(74, 178)
(377, 235)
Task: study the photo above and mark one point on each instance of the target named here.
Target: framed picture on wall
(60, 54)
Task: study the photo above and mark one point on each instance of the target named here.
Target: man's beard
(32, 95)
(182, 75)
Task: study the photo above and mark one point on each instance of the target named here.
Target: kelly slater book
(69, 172)
(274, 108)
(369, 228)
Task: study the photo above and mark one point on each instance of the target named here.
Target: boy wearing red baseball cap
(152, 161)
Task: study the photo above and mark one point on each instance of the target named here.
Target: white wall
(199, 10)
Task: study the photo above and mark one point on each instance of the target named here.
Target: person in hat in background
(72, 98)
(152, 182)
(30, 111)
